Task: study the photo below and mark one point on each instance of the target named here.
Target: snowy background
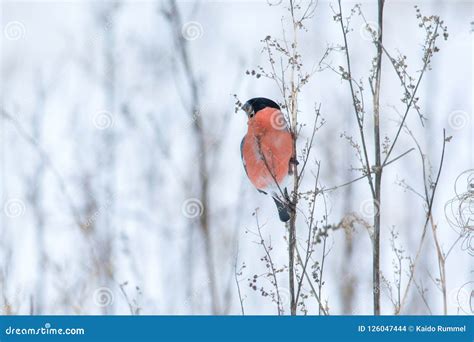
(100, 165)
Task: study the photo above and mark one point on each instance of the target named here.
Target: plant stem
(294, 131)
(378, 164)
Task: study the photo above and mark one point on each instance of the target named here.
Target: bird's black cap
(256, 104)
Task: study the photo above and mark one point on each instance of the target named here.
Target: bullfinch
(267, 151)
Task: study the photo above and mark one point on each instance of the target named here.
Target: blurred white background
(101, 165)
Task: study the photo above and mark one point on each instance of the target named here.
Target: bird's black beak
(247, 108)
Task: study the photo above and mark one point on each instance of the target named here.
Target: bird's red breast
(267, 148)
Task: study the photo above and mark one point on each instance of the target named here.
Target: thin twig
(425, 226)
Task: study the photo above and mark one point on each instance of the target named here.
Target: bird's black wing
(243, 161)
(242, 155)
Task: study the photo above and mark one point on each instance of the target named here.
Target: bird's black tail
(283, 210)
